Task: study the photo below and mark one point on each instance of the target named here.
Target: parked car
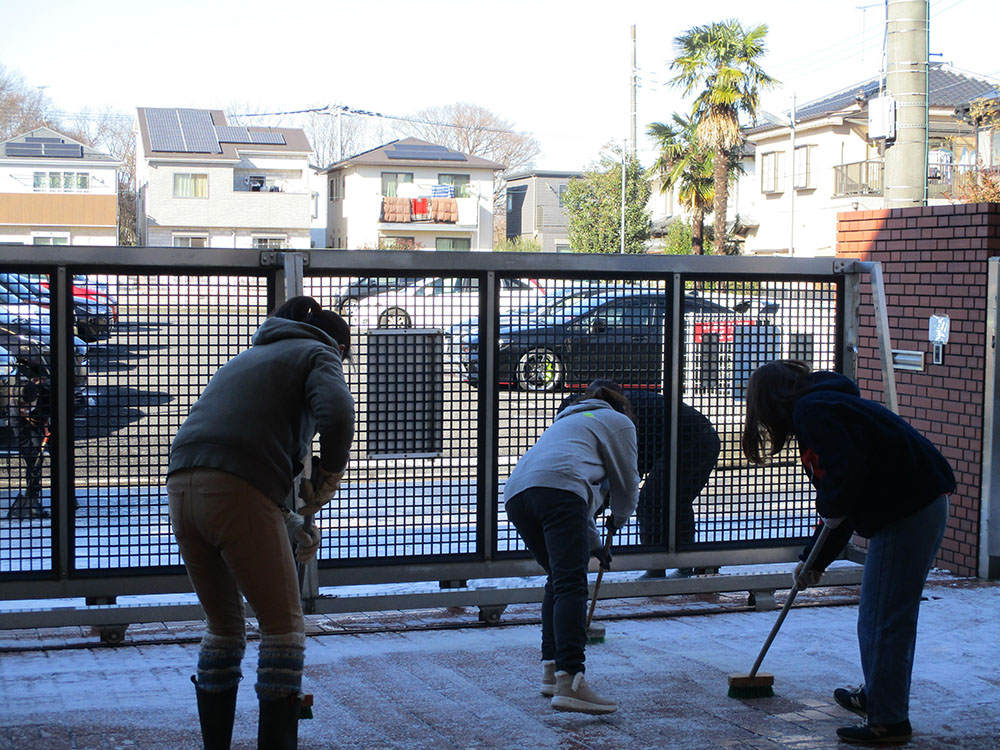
(347, 298)
(438, 303)
(88, 289)
(26, 341)
(94, 319)
(617, 334)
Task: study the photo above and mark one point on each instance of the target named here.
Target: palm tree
(685, 163)
(722, 60)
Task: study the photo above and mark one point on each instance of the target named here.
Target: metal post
(62, 366)
(791, 229)
(489, 423)
(884, 339)
(989, 520)
(622, 237)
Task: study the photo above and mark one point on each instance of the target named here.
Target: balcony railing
(858, 178)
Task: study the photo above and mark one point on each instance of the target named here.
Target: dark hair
(771, 395)
(308, 310)
(608, 391)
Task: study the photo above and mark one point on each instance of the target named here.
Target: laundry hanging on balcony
(444, 210)
(442, 191)
(396, 210)
(421, 209)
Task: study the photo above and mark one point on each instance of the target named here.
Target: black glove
(603, 554)
(610, 524)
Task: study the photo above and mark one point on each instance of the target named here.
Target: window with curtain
(391, 179)
(270, 243)
(60, 182)
(190, 185)
(803, 167)
(190, 241)
(460, 181)
(51, 240)
(771, 175)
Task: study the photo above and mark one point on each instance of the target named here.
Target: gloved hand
(805, 578)
(306, 539)
(318, 488)
(603, 554)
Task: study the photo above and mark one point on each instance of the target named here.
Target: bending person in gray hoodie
(552, 496)
(232, 467)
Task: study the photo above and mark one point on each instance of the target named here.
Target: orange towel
(396, 210)
(444, 210)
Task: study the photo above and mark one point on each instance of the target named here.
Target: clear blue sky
(556, 68)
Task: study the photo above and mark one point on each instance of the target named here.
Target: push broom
(754, 685)
(596, 634)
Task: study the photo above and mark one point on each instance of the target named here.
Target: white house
(57, 191)
(838, 160)
(203, 183)
(411, 194)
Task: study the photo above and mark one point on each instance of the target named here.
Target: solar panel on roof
(63, 150)
(198, 131)
(257, 136)
(164, 130)
(407, 152)
(42, 139)
(232, 134)
(23, 149)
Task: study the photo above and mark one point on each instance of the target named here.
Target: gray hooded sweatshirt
(258, 414)
(589, 450)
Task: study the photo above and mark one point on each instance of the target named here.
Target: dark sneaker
(876, 734)
(853, 699)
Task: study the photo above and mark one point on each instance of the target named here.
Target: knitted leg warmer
(279, 666)
(219, 662)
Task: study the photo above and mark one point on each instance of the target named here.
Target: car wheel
(349, 307)
(394, 317)
(539, 370)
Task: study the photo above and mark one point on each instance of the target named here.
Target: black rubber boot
(278, 726)
(216, 712)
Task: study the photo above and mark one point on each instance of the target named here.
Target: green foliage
(594, 206)
(518, 245)
(678, 238)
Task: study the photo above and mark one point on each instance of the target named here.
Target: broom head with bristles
(743, 686)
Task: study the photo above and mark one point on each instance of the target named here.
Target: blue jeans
(553, 523)
(899, 558)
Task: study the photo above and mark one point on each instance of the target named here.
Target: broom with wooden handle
(754, 685)
(596, 634)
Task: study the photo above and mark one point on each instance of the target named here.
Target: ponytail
(307, 310)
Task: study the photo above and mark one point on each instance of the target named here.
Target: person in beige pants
(232, 467)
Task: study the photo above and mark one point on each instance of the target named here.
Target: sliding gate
(460, 361)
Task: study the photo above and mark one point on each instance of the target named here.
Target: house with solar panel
(839, 147)
(201, 182)
(411, 194)
(57, 191)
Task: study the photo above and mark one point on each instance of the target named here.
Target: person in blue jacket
(588, 453)
(875, 476)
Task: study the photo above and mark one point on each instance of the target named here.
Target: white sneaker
(574, 694)
(548, 678)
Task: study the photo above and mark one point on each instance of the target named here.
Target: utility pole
(791, 228)
(621, 238)
(906, 81)
(633, 92)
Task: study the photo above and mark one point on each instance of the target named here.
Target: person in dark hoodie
(877, 477)
(551, 497)
(232, 468)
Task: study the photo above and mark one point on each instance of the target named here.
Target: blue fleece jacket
(260, 411)
(589, 450)
(866, 462)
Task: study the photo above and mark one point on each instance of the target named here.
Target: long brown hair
(771, 395)
(608, 391)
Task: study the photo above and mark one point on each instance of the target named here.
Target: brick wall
(933, 262)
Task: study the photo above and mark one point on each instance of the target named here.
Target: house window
(270, 243)
(803, 167)
(772, 179)
(562, 247)
(398, 243)
(453, 243)
(460, 181)
(190, 240)
(562, 195)
(61, 182)
(50, 239)
(390, 180)
(337, 188)
(190, 185)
